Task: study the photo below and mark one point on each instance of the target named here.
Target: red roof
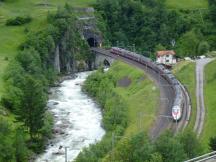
(163, 53)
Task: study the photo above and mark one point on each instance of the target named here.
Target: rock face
(57, 60)
(64, 60)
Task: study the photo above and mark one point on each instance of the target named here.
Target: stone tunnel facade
(102, 60)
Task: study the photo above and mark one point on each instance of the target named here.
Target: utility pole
(117, 43)
(201, 16)
(134, 48)
(113, 144)
(66, 154)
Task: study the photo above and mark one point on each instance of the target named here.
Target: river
(77, 121)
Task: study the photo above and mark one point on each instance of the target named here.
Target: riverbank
(125, 94)
(77, 119)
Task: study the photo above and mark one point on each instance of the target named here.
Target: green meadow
(210, 104)
(187, 4)
(141, 96)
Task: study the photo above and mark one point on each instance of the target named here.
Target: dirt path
(200, 116)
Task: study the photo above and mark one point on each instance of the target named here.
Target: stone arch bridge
(101, 59)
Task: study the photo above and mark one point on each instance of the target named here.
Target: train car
(178, 104)
(177, 107)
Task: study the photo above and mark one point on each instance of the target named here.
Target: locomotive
(178, 103)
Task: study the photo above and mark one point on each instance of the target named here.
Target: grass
(141, 97)
(210, 104)
(185, 72)
(187, 4)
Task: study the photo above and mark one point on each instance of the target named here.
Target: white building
(166, 57)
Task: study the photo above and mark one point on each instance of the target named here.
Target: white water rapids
(77, 121)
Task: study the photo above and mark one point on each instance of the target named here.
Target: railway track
(182, 124)
(166, 92)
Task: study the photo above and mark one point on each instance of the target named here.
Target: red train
(177, 105)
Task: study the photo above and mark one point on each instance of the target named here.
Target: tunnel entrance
(106, 63)
(92, 42)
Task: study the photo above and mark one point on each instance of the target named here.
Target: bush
(212, 143)
(46, 130)
(100, 86)
(203, 48)
(18, 21)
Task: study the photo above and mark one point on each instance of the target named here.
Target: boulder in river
(58, 131)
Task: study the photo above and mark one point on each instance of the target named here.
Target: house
(166, 57)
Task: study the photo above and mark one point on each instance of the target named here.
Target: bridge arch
(102, 60)
(106, 63)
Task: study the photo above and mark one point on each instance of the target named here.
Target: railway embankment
(185, 73)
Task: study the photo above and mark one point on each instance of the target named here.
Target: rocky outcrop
(57, 60)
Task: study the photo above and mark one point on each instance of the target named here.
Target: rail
(204, 158)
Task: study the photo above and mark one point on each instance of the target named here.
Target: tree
(212, 143)
(159, 47)
(30, 61)
(13, 78)
(138, 148)
(156, 157)
(46, 130)
(170, 148)
(6, 148)
(192, 146)
(21, 151)
(141, 148)
(212, 8)
(32, 107)
(187, 45)
(203, 48)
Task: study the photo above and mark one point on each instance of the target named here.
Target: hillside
(13, 36)
(210, 102)
(187, 4)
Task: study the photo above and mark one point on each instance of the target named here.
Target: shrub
(212, 143)
(18, 21)
(100, 86)
(203, 47)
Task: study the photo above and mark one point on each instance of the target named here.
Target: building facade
(166, 57)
